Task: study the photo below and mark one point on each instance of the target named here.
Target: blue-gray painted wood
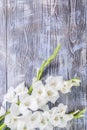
(29, 32)
(3, 52)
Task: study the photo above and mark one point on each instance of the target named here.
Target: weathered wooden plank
(34, 29)
(3, 63)
(15, 41)
(78, 49)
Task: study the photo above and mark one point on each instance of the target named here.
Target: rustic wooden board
(34, 28)
(3, 58)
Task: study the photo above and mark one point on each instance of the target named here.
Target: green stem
(44, 65)
(30, 90)
(2, 126)
(47, 62)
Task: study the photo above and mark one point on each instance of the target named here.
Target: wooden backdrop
(29, 32)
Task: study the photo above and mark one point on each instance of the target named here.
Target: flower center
(40, 92)
(49, 93)
(43, 121)
(56, 118)
(53, 84)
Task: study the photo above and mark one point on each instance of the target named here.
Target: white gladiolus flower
(40, 94)
(46, 114)
(39, 91)
(10, 97)
(23, 96)
(29, 108)
(55, 82)
(37, 84)
(34, 120)
(58, 116)
(62, 124)
(58, 120)
(45, 108)
(30, 102)
(53, 100)
(40, 101)
(43, 122)
(55, 120)
(75, 82)
(22, 125)
(34, 80)
(64, 119)
(69, 84)
(61, 108)
(2, 111)
(21, 89)
(23, 110)
(67, 87)
(11, 121)
(51, 93)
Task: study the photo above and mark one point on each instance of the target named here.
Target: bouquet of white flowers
(28, 107)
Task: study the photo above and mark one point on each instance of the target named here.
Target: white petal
(39, 91)
(2, 111)
(21, 125)
(14, 109)
(30, 102)
(41, 101)
(10, 96)
(43, 122)
(23, 110)
(53, 100)
(49, 127)
(61, 108)
(66, 88)
(51, 93)
(55, 82)
(45, 108)
(34, 120)
(62, 124)
(68, 117)
(37, 84)
(21, 89)
(11, 121)
(55, 120)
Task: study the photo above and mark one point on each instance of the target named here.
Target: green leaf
(74, 113)
(77, 117)
(6, 128)
(2, 126)
(2, 118)
(82, 111)
(1, 122)
(79, 114)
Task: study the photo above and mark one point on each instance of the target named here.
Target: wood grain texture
(34, 28)
(3, 64)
